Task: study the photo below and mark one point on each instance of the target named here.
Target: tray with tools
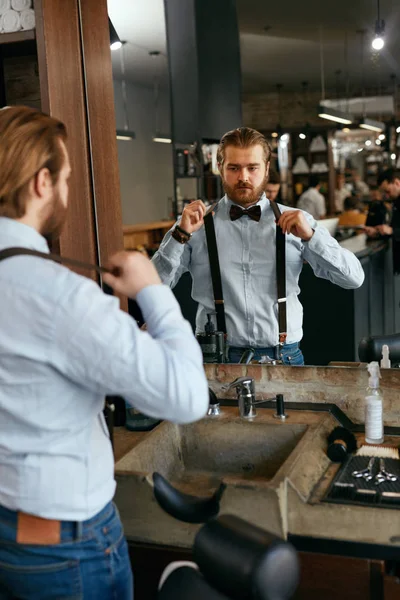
(365, 480)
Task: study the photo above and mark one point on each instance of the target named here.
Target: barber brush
(341, 442)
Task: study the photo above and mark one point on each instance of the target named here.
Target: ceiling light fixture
(372, 125)
(334, 115)
(115, 42)
(125, 134)
(393, 156)
(158, 136)
(275, 134)
(162, 139)
(302, 136)
(346, 130)
(378, 42)
(378, 142)
(382, 137)
(368, 143)
(325, 112)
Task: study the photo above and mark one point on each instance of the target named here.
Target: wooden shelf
(17, 36)
(148, 235)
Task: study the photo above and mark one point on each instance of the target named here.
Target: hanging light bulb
(398, 130)
(379, 41)
(302, 136)
(393, 156)
(368, 143)
(378, 142)
(382, 137)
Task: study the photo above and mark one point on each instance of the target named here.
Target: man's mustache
(244, 187)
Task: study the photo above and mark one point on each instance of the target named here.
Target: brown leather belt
(36, 530)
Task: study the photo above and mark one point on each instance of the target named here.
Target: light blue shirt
(247, 251)
(64, 345)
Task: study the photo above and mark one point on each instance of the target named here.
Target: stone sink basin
(254, 458)
(196, 457)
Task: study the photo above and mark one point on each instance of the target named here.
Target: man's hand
(193, 216)
(371, 232)
(384, 229)
(295, 222)
(135, 273)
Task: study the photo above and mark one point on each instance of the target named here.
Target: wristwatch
(180, 235)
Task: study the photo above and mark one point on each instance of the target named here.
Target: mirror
(323, 115)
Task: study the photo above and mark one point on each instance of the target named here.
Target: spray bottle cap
(385, 362)
(209, 328)
(375, 374)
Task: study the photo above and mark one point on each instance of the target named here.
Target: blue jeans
(90, 563)
(290, 354)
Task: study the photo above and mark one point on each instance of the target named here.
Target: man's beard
(244, 194)
(54, 220)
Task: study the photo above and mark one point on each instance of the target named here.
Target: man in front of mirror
(64, 346)
(245, 230)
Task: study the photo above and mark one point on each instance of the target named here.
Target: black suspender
(215, 271)
(8, 252)
(280, 276)
(216, 274)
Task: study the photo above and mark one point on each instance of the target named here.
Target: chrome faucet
(246, 395)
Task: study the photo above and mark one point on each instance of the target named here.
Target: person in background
(341, 193)
(245, 229)
(352, 215)
(378, 212)
(273, 186)
(359, 186)
(389, 182)
(64, 346)
(312, 201)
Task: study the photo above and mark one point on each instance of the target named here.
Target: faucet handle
(243, 383)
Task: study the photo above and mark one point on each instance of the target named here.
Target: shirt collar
(15, 233)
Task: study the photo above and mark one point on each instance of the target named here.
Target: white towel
(28, 19)
(4, 5)
(21, 4)
(10, 21)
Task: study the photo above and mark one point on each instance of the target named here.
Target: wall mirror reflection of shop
(315, 83)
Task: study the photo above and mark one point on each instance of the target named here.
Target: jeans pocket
(37, 581)
(293, 357)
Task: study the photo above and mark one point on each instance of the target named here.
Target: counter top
(361, 246)
(289, 503)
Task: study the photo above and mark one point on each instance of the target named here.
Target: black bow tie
(254, 212)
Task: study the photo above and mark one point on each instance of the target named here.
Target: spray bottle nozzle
(375, 374)
(209, 328)
(385, 362)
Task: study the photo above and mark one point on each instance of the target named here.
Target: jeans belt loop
(78, 530)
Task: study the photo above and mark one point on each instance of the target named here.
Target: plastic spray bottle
(373, 407)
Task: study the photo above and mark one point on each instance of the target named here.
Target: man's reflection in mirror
(245, 231)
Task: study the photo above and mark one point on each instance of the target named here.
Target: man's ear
(42, 183)
(267, 165)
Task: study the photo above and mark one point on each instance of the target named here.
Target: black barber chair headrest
(242, 561)
(370, 348)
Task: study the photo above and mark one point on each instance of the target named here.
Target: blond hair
(243, 137)
(29, 142)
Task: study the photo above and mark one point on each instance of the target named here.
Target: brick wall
(342, 386)
(261, 111)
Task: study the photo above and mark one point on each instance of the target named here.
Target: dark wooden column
(63, 96)
(77, 87)
(102, 126)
